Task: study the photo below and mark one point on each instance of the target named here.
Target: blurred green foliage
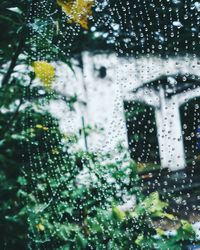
(52, 196)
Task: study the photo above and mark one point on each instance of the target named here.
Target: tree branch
(13, 62)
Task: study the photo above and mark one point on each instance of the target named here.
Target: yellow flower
(45, 72)
(78, 10)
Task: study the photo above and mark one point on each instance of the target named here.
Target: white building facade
(104, 82)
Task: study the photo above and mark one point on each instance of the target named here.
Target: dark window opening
(142, 133)
(190, 118)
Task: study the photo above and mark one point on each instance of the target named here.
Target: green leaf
(118, 214)
(16, 10)
(153, 205)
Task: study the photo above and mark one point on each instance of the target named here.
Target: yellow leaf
(40, 227)
(169, 216)
(45, 72)
(41, 127)
(160, 231)
(78, 11)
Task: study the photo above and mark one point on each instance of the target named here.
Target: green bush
(55, 197)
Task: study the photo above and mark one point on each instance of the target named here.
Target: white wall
(104, 96)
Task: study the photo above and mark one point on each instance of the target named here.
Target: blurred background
(99, 124)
